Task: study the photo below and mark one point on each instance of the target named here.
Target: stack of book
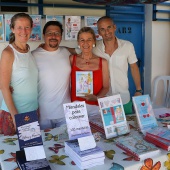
(84, 159)
(40, 164)
(96, 123)
(155, 134)
(81, 146)
(159, 136)
(135, 145)
(31, 155)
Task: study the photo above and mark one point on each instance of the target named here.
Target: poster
(72, 27)
(36, 34)
(7, 25)
(91, 21)
(54, 18)
(1, 29)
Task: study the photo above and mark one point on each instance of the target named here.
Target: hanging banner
(54, 18)
(72, 27)
(7, 25)
(91, 21)
(36, 34)
(1, 29)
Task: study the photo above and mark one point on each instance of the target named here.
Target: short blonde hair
(88, 30)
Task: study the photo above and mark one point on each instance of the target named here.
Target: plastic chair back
(166, 91)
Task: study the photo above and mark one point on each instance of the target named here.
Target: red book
(164, 144)
(159, 132)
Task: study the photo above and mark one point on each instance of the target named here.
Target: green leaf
(49, 135)
(56, 138)
(109, 154)
(60, 162)
(1, 151)
(55, 157)
(48, 139)
(52, 161)
(11, 143)
(62, 157)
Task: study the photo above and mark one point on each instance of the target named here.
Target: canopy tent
(118, 2)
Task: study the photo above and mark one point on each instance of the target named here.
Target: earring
(93, 45)
(78, 46)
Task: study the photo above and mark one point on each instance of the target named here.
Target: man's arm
(136, 77)
(71, 50)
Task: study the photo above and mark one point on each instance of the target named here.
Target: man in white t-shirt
(54, 74)
(119, 53)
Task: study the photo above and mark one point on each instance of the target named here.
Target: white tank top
(24, 80)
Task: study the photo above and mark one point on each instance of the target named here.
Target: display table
(118, 159)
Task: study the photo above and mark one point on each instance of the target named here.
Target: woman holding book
(91, 70)
(18, 70)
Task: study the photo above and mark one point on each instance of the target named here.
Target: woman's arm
(105, 77)
(6, 63)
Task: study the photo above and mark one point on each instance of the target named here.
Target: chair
(165, 96)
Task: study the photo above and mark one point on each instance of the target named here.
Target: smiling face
(22, 30)
(52, 37)
(86, 41)
(106, 28)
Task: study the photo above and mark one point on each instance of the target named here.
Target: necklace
(87, 61)
(24, 50)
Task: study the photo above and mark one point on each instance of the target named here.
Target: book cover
(41, 164)
(137, 146)
(144, 112)
(84, 83)
(158, 142)
(159, 132)
(113, 116)
(77, 120)
(28, 130)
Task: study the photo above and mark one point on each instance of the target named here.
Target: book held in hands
(113, 116)
(84, 83)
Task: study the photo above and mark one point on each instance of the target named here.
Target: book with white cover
(84, 83)
(144, 112)
(113, 116)
(137, 146)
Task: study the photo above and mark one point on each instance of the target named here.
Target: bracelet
(140, 91)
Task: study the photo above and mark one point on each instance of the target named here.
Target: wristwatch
(140, 91)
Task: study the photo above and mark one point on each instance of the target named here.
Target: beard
(53, 43)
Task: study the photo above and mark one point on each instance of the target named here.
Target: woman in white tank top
(17, 69)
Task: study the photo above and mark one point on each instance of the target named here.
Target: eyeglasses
(49, 34)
